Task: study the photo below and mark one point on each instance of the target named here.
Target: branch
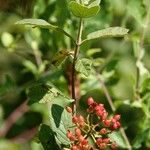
(109, 99)
(77, 48)
(25, 136)
(14, 116)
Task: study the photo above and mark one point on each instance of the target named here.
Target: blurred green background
(26, 54)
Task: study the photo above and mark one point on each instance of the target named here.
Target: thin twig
(14, 116)
(25, 136)
(109, 99)
(106, 93)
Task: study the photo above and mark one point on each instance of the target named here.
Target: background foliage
(28, 55)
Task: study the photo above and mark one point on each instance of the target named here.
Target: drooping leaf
(60, 57)
(43, 24)
(36, 23)
(47, 138)
(108, 32)
(60, 121)
(83, 66)
(44, 93)
(83, 11)
(115, 136)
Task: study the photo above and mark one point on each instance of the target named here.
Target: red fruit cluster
(103, 143)
(79, 142)
(86, 128)
(101, 112)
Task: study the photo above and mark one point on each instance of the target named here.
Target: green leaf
(141, 137)
(47, 138)
(60, 122)
(115, 136)
(89, 3)
(112, 65)
(83, 66)
(136, 10)
(36, 23)
(44, 93)
(30, 66)
(60, 57)
(94, 3)
(108, 32)
(93, 51)
(7, 39)
(43, 24)
(82, 11)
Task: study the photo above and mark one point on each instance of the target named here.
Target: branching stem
(139, 57)
(77, 48)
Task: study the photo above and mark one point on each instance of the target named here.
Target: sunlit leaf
(45, 93)
(82, 11)
(7, 39)
(60, 121)
(108, 32)
(30, 66)
(43, 24)
(115, 136)
(84, 66)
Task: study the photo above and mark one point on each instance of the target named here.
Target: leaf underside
(108, 32)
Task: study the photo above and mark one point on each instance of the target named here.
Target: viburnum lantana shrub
(98, 131)
(67, 129)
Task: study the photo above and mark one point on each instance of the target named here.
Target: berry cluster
(98, 131)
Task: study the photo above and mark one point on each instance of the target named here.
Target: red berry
(107, 122)
(74, 147)
(117, 117)
(80, 119)
(70, 136)
(81, 138)
(99, 140)
(84, 142)
(114, 146)
(85, 147)
(103, 131)
(113, 120)
(82, 124)
(106, 140)
(75, 119)
(69, 109)
(102, 145)
(77, 132)
(90, 101)
(116, 125)
(104, 115)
